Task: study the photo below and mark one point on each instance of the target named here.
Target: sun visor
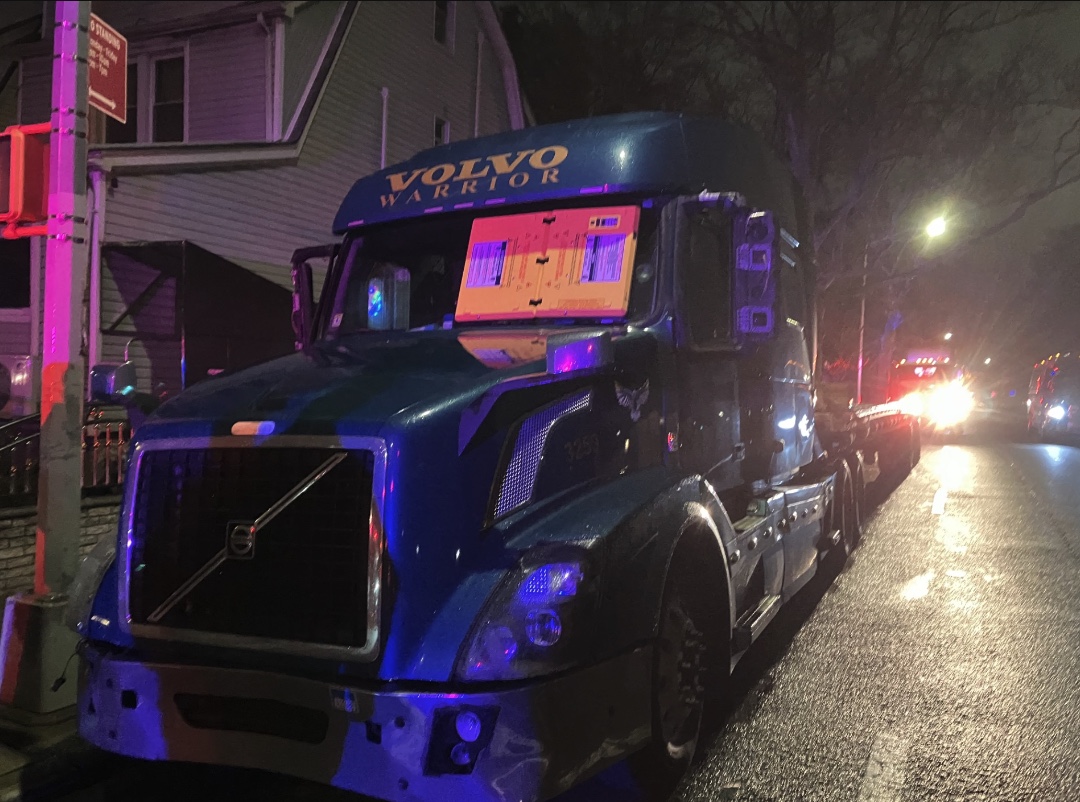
(564, 263)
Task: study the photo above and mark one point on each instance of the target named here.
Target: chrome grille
(308, 583)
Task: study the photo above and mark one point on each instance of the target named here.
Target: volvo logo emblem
(240, 540)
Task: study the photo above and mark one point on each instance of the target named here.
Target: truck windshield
(589, 262)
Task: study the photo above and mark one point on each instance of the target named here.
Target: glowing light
(912, 404)
(986, 361)
(948, 335)
(950, 404)
(936, 227)
(1056, 412)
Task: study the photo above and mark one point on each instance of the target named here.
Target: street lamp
(948, 335)
(986, 361)
(935, 228)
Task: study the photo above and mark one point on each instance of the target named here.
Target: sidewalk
(44, 760)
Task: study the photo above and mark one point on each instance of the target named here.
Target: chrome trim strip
(376, 543)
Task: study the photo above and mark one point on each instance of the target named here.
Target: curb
(69, 765)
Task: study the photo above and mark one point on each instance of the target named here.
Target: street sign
(108, 69)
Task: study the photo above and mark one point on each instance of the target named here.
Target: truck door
(794, 414)
(709, 435)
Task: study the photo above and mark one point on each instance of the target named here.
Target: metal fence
(106, 436)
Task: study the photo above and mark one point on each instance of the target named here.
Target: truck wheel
(844, 518)
(685, 647)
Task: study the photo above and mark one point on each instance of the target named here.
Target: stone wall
(18, 540)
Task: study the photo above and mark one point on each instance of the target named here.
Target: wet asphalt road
(942, 664)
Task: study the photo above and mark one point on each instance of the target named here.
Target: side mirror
(302, 305)
(755, 278)
(112, 384)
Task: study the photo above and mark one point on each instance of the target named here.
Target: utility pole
(35, 641)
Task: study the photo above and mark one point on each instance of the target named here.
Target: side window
(706, 294)
(14, 273)
(444, 23)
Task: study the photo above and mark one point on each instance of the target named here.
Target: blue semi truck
(544, 465)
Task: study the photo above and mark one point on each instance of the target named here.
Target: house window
(442, 131)
(168, 101)
(156, 108)
(14, 273)
(444, 23)
(115, 131)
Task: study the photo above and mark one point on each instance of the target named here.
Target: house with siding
(246, 124)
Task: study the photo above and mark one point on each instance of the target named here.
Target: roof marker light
(250, 428)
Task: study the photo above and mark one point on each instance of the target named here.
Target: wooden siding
(14, 331)
(227, 84)
(305, 35)
(494, 115)
(35, 95)
(257, 217)
(123, 14)
(9, 102)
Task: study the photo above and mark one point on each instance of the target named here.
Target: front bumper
(538, 739)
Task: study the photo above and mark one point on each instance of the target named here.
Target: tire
(907, 458)
(687, 645)
(844, 518)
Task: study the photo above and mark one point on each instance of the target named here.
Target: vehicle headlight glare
(543, 627)
(950, 404)
(1056, 412)
(912, 404)
(526, 627)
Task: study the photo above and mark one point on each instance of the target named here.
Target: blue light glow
(375, 302)
(550, 582)
(468, 726)
(543, 627)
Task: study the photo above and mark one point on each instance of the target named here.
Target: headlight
(528, 626)
(912, 404)
(950, 404)
(85, 586)
(1056, 412)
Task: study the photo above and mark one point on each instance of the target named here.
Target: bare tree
(886, 112)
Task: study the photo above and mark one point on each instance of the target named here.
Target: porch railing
(106, 436)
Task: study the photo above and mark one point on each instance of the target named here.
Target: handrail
(14, 443)
(104, 449)
(17, 421)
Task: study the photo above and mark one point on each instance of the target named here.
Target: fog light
(468, 726)
(460, 755)
(543, 627)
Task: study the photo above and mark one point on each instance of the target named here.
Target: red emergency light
(24, 180)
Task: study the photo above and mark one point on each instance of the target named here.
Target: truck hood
(355, 384)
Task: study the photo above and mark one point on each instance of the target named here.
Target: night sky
(997, 294)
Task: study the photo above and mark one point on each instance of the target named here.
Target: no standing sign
(108, 69)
